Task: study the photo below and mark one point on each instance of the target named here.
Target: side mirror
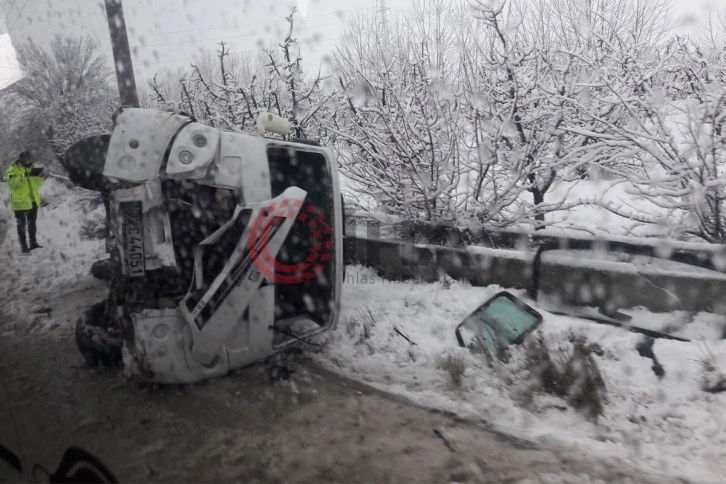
(501, 321)
(77, 465)
(10, 468)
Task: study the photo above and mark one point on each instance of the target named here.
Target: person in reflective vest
(24, 180)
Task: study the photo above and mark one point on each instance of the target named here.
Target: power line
(248, 51)
(19, 15)
(256, 24)
(191, 58)
(9, 6)
(191, 41)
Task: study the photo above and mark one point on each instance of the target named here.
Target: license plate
(133, 233)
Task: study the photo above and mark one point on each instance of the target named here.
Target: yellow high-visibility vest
(24, 183)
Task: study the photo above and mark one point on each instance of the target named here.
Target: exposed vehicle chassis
(225, 247)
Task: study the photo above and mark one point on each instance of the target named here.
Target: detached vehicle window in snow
(501, 321)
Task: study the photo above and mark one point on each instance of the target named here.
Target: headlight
(186, 157)
(200, 141)
(126, 163)
(160, 331)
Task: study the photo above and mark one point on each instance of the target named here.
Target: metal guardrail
(421, 232)
(401, 260)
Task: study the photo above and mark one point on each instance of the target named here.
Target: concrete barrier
(574, 284)
(659, 292)
(398, 260)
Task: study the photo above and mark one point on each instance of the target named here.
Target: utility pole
(383, 36)
(121, 54)
(383, 22)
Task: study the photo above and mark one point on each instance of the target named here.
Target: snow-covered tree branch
(67, 90)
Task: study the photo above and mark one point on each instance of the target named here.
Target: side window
(309, 249)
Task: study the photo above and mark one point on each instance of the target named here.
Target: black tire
(103, 269)
(96, 343)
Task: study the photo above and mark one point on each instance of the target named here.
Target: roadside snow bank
(65, 259)
(669, 426)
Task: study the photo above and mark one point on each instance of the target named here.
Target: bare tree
(72, 65)
(67, 88)
(229, 90)
(488, 91)
(531, 71)
(399, 137)
(21, 130)
(666, 110)
(302, 97)
(574, 24)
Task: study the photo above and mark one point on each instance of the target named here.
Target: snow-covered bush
(568, 371)
(360, 325)
(94, 227)
(713, 379)
(454, 365)
(53, 192)
(571, 374)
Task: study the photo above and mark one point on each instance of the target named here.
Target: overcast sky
(170, 40)
(169, 33)
(244, 24)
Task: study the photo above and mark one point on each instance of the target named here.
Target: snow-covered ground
(669, 426)
(65, 259)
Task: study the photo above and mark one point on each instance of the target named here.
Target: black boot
(32, 229)
(33, 242)
(23, 240)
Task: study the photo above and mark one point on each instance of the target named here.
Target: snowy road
(244, 428)
(328, 425)
(319, 427)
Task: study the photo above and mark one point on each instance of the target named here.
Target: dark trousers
(26, 218)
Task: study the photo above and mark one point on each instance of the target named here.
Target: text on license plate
(133, 236)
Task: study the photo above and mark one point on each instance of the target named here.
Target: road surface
(317, 427)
